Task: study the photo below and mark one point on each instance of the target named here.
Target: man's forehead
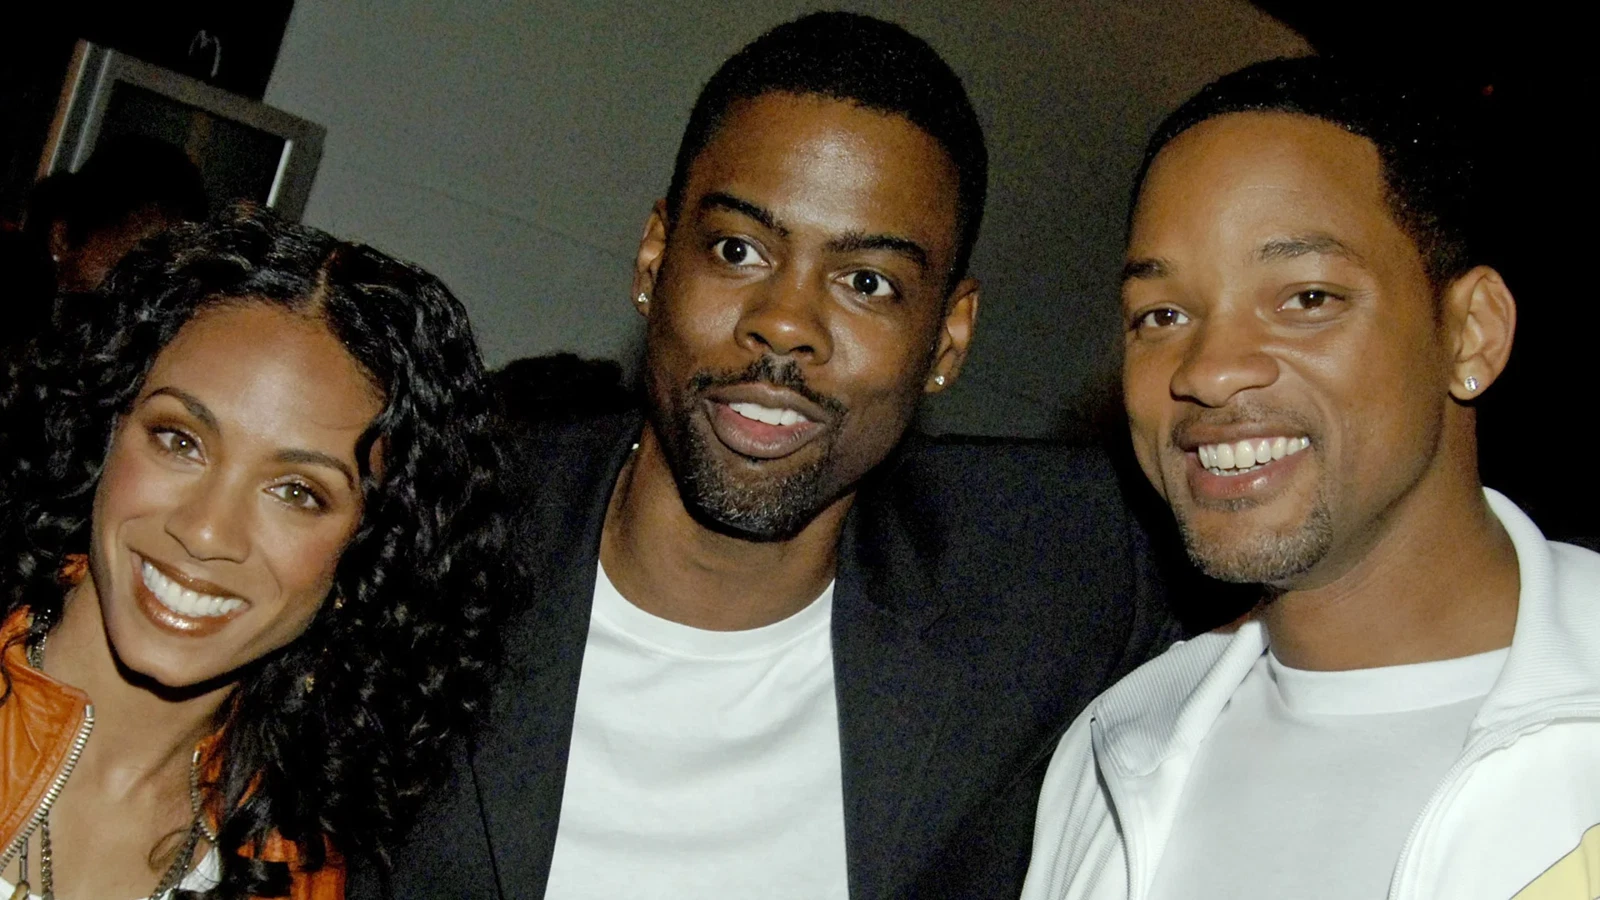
(1285, 184)
(802, 153)
(1264, 133)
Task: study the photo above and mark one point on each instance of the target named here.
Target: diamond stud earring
(641, 299)
(1471, 384)
(939, 380)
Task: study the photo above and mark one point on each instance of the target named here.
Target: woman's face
(229, 491)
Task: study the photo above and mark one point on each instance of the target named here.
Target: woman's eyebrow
(190, 402)
(314, 458)
(295, 456)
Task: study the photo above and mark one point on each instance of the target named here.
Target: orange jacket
(40, 721)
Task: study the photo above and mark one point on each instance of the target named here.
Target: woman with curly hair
(246, 537)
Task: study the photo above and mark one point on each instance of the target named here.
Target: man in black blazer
(771, 647)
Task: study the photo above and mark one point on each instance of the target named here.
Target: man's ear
(1482, 315)
(955, 336)
(647, 264)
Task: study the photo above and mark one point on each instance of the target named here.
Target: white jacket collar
(1169, 704)
(1555, 651)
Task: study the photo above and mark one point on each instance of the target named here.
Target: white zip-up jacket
(1511, 818)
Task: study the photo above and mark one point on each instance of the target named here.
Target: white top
(1517, 813)
(1308, 782)
(202, 877)
(703, 763)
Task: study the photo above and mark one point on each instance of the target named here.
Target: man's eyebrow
(1141, 269)
(313, 458)
(855, 243)
(190, 402)
(1303, 245)
(720, 200)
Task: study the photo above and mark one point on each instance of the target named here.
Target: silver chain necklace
(175, 872)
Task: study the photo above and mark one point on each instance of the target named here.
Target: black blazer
(986, 591)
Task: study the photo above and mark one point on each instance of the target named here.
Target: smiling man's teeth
(767, 414)
(183, 601)
(1247, 456)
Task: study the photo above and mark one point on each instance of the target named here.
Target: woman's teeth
(183, 601)
(1247, 456)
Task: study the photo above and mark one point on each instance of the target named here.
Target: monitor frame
(86, 95)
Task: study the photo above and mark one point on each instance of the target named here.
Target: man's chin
(1239, 553)
(774, 508)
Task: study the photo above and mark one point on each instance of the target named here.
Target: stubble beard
(1268, 558)
(756, 508)
(760, 506)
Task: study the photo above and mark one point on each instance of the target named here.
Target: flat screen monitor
(245, 150)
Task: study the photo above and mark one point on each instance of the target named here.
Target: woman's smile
(181, 604)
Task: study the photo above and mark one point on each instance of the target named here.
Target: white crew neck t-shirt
(703, 763)
(1309, 782)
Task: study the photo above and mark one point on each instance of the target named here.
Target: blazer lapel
(520, 761)
(891, 685)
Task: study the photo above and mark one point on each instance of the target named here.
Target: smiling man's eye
(870, 284)
(736, 251)
(1165, 317)
(1312, 299)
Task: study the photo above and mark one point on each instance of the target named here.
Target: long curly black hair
(402, 665)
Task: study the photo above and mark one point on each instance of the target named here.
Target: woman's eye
(176, 442)
(1165, 317)
(869, 283)
(297, 495)
(1309, 300)
(736, 252)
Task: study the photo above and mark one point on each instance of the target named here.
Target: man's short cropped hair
(1426, 159)
(858, 59)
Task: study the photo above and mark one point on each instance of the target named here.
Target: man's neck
(1441, 581)
(668, 564)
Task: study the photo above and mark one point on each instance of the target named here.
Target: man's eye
(1308, 300)
(869, 283)
(297, 495)
(176, 442)
(1165, 317)
(736, 252)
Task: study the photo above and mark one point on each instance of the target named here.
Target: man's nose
(1226, 356)
(787, 317)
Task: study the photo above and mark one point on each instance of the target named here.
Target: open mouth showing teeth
(183, 601)
(1249, 455)
(768, 415)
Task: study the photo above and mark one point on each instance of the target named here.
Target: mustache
(769, 369)
(1230, 416)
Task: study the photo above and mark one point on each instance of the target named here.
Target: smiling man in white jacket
(1413, 709)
